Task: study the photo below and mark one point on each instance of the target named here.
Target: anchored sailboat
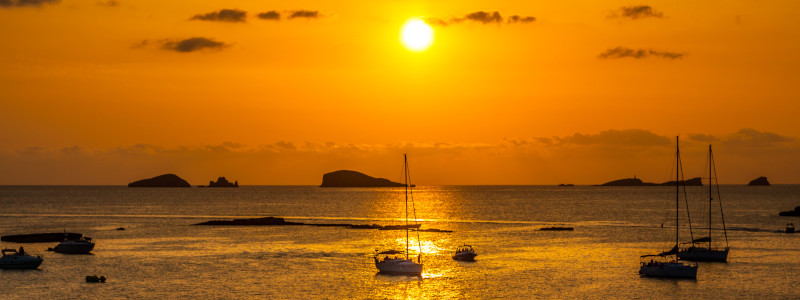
(665, 264)
(702, 249)
(391, 261)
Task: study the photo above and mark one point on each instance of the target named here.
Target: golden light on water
(416, 35)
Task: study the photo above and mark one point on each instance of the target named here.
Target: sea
(160, 254)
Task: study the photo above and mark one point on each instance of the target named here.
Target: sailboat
(392, 261)
(702, 248)
(665, 264)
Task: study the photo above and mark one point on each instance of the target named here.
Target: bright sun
(416, 35)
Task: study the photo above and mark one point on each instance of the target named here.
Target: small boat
(666, 266)
(465, 253)
(12, 259)
(392, 261)
(79, 246)
(789, 228)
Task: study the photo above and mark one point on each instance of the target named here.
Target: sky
(512, 92)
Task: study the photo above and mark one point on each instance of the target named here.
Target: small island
(166, 180)
(347, 178)
(222, 182)
(638, 182)
(760, 181)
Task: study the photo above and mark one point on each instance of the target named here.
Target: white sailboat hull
(703, 254)
(398, 267)
(672, 270)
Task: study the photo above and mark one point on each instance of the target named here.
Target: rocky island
(222, 182)
(166, 180)
(638, 182)
(347, 178)
(760, 181)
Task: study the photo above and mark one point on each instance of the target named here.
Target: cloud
(636, 12)
(224, 15)
(703, 138)
(483, 17)
(24, 3)
(623, 138)
(292, 14)
(623, 52)
(112, 3)
(270, 15)
(748, 137)
(193, 44)
(309, 14)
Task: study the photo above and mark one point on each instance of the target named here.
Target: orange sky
(97, 92)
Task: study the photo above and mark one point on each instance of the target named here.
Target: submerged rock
(166, 180)
(347, 178)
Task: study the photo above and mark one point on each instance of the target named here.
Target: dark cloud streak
(224, 15)
(636, 12)
(193, 44)
(26, 3)
(623, 52)
(482, 17)
(270, 15)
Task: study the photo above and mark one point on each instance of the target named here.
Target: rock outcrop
(638, 182)
(791, 213)
(222, 182)
(759, 181)
(347, 178)
(166, 180)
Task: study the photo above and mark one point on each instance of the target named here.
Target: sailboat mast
(710, 195)
(405, 174)
(677, 190)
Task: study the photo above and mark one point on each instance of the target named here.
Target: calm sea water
(161, 255)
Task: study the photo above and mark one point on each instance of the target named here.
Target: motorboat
(465, 253)
(13, 259)
(789, 228)
(666, 266)
(79, 246)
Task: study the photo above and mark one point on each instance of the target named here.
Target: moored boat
(80, 246)
(465, 253)
(13, 259)
(392, 261)
(665, 264)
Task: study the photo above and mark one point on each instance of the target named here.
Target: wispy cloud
(224, 15)
(193, 44)
(623, 52)
(290, 14)
(636, 12)
(483, 17)
(24, 3)
(270, 15)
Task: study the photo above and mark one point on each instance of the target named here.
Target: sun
(416, 35)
